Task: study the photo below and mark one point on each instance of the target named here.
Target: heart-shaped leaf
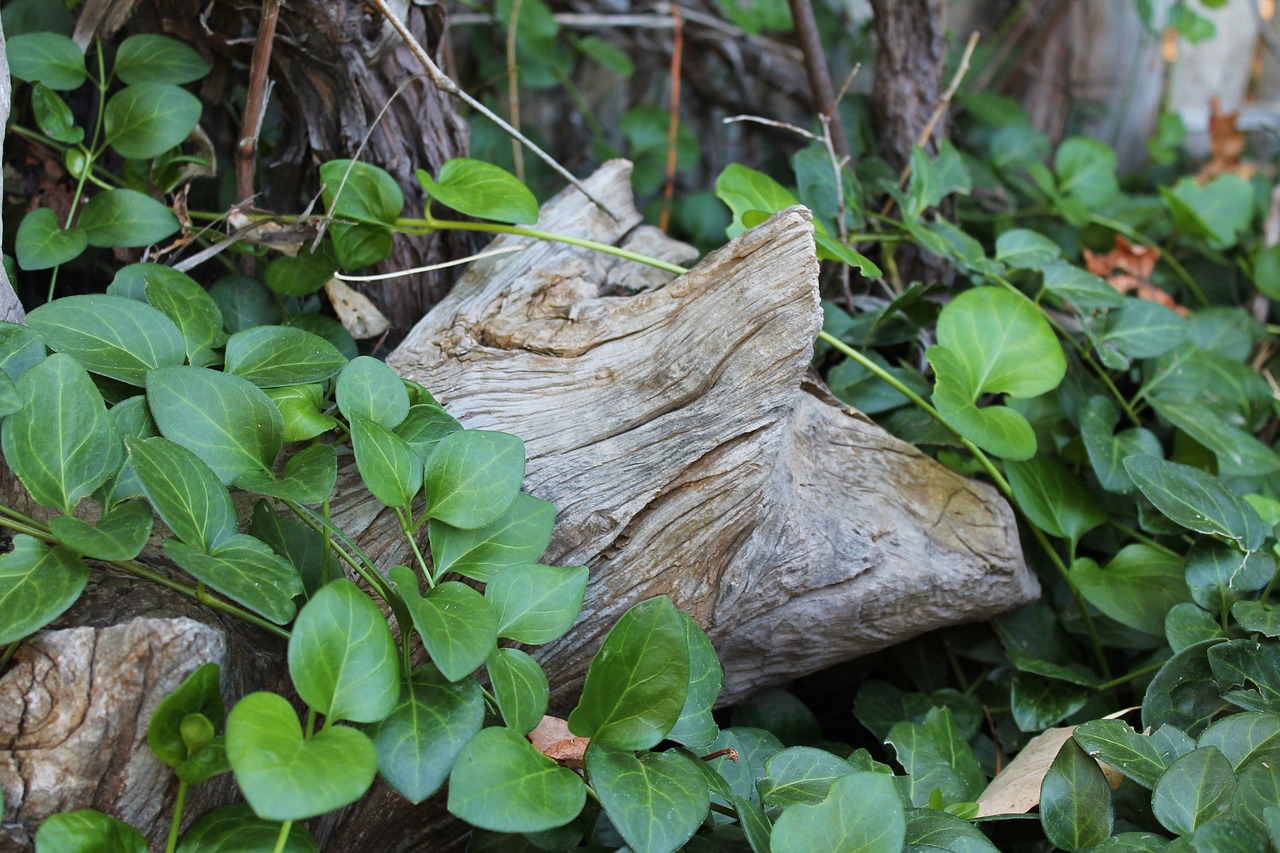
(37, 584)
(342, 657)
(862, 814)
(656, 804)
(1079, 288)
(110, 335)
(745, 190)
(287, 777)
(457, 625)
(236, 827)
(368, 387)
(696, 727)
(520, 686)
(199, 693)
(303, 273)
(473, 477)
(225, 420)
(88, 831)
(1053, 498)
(272, 356)
(1251, 666)
(42, 243)
(301, 407)
(419, 740)
(637, 683)
(360, 192)
(1138, 587)
(126, 218)
(61, 443)
(1185, 692)
(147, 119)
(520, 535)
(245, 570)
(184, 491)
(536, 604)
(482, 190)
(1108, 450)
(149, 58)
(1086, 171)
(800, 774)
(997, 429)
(309, 477)
(1219, 575)
(500, 782)
(118, 535)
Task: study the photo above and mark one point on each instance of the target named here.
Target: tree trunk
(911, 55)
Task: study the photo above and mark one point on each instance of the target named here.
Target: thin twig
(513, 87)
(781, 125)
(815, 65)
(432, 267)
(673, 123)
(445, 84)
(255, 106)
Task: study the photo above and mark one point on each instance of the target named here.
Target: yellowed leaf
(1016, 789)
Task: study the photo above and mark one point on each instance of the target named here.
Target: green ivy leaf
(184, 492)
(482, 190)
(37, 584)
(245, 570)
(88, 831)
(932, 179)
(1185, 692)
(1138, 587)
(800, 774)
(1219, 575)
(1076, 811)
(1039, 702)
(301, 408)
(147, 119)
(997, 429)
(369, 200)
(368, 387)
(755, 824)
(1187, 624)
(457, 625)
(1257, 617)
(519, 536)
(308, 478)
(272, 356)
(1239, 453)
(500, 782)
(1107, 450)
(420, 739)
(110, 335)
(862, 814)
(187, 304)
(1086, 171)
(1133, 754)
(929, 829)
(656, 803)
(287, 777)
(1079, 288)
(41, 242)
(199, 693)
(244, 302)
(342, 658)
(1244, 738)
(52, 60)
(61, 443)
(1054, 499)
(1257, 791)
(295, 542)
(637, 683)
(125, 218)
(304, 273)
(521, 688)
(536, 604)
(1194, 789)
(1023, 249)
(424, 426)
(119, 534)
(225, 420)
(745, 190)
(237, 828)
(20, 349)
(1217, 212)
(696, 727)
(149, 58)
(391, 471)
(754, 746)
(1197, 501)
(473, 477)
(936, 756)
(1140, 328)
(1252, 666)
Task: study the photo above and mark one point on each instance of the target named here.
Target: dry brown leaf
(1128, 268)
(355, 311)
(1226, 145)
(1016, 789)
(553, 739)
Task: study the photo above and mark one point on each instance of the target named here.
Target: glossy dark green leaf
(147, 119)
(1107, 449)
(1188, 623)
(37, 584)
(41, 242)
(1219, 575)
(1132, 842)
(482, 190)
(199, 693)
(245, 570)
(1082, 289)
(118, 535)
(1137, 588)
(1143, 329)
(391, 471)
(125, 218)
(342, 658)
(780, 712)
(1112, 741)
(184, 491)
(360, 192)
(521, 688)
(1076, 811)
(1196, 788)
(1258, 789)
(424, 426)
(20, 349)
(1035, 642)
(419, 740)
(1244, 737)
(308, 477)
(1239, 453)
(536, 604)
(933, 179)
(1254, 616)
(149, 58)
(301, 408)
(755, 825)
(110, 335)
(225, 420)
(457, 625)
(637, 683)
(1054, 499)
(1226, 834)
(244, 302)
(932, 829)
(304, 273)
(800, 774)
(295, 542)
(88, 831)
(1038, 702)
(862, 814)
(61, 443)
(236, 829)
(52, 60)
(186, 303)
(1196, 500)
(935, 756)
(500, 782)
(1252, 666)
(696, 727)
(519, 536)
(1184, 693)
(473, 477)
(368, 387)
(1021, 248)
(753, 748)
(286, 777)
(656, 802)
(272, 356)
(133, 420)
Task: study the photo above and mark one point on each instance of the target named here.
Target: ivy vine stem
(283, 837)
(179, 803)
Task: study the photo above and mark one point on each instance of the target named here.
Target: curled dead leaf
(553, 739)
(357, 313)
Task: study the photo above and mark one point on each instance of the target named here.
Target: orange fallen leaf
(1226, 145)
(553, 739)
(1128, 268)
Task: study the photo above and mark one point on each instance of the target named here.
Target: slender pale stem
(283, 837)
(179, 803)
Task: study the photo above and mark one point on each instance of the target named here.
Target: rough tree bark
(690, 452)
(911, 53)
